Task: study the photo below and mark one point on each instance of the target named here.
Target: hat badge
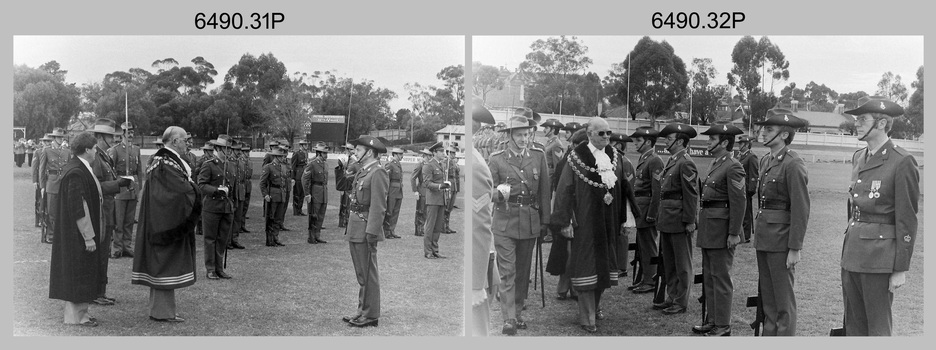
(647, 131)
(678, 127)
(725, 127)
(786, 118)
(371, 142)
(882, 106)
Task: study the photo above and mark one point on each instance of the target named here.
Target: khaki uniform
(780, 225)
(394, 196)
(417, 185)
(517, 220)
(679, 206)
(240, 194)
(217, 209)
(751, 166)
(454, 177)
(298, 164)
(647, 178)
(127, 162)
(50, 171)
(433, 176)
(314, 183)
(102, 169)
(879, 238)
(274, 182)
(367, 207)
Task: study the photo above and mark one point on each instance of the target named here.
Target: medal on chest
(875, 186)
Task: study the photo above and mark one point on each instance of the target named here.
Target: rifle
(756, 301)
(659, 291)
(700, 280)
(636, 266)
(539, 259)
(43, 208)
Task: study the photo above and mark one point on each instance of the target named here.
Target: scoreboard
(327, 128)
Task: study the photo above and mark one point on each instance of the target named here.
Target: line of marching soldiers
(674, 201)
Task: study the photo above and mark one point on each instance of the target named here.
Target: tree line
(257, 96)
(651, 79)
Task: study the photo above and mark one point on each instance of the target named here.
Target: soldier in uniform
(482, 238)
(395, 193)
(780, 225)
(433, 176)
(298, 164)
(51, 164)
(102, 167)
(127, 162)
(554, 147)
(315, 186)
(269, 157)
(882, 229)
(368, 207)
(454, 176)
(237, 159)
(188, 157)
(647, 197)
(522, 205)
(216, 181)
(677, 217)
(749, 161)
(419, 189)
(348, 169)
(248, 185)
(40, 204)
(720, 218)
(619, 142)
(207, 156)
(273, 182)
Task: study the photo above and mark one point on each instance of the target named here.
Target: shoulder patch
(689, 177)
(739, 184)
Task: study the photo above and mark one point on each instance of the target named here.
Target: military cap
(645, 131)
(276, 152)
(552, 123)
(273, 143)
(397, 150)
(370, 141)
(528, 113)
(303, 142)
(425, 152)
(104, 126)
(518, 122)
(158, 141)
(678, 128)
(221, 141)
(620, 137)
(744, 139)
(573, 126)
(782, 117)
(127, 126)
(207, 146)
(245, 147)
(57, 132)
(435, 147)
(45, 138)
(481, 114)
(876, 104)
(320, 147)
(722, 129)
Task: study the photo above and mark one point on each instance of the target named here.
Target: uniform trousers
(104, 257)
(125, 215)
(30, 158)
(433, 228)
(316, 217)
(51, 206)
(677, 266)
(298, 196)
(39, 206)
(281, 215)
(420, 215)
(514, 259)
(273, 221)
(868, 303)
(393, 214)
(716, 284)
(776, 289)
(448, 209)
(162, 303)
(217, 231)
(747, 225)
(648, 245)
(364, 258)
(238, 222)
(344, 209)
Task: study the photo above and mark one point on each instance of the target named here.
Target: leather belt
(396, 181)
(52, 172)
(774, 205)
(359, 208)
(644, 194)
(522, 200)
(875, 218)
(715, 204)
(672, 195)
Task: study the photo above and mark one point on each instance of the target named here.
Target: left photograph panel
(238, 185)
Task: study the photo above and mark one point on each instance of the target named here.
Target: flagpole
(628, 116)
(127, 123)
(348, 127)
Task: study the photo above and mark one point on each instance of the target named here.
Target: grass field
(297, 290)
(818, 281)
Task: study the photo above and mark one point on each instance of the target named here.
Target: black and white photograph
(238, 185)
(696, 185)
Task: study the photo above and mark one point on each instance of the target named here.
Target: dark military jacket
(248, 173)
(395, 171)
(298, 163)
(783, 199)
(103, 170)
(275, 181)
(454, 173)
(35, 165)
(119, 153)
(416, 179)
(50, 167)
(433, 176)
(314, 181)
(724, 185)
(883, 206)
(213, 174)
(751, 168)
(554, 150)
(240, 175)
(369, 196)
(521, 214)
(647, 187)
(679, 194)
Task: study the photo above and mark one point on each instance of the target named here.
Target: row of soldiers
(666, 205)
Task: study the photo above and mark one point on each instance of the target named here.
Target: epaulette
(536, 149)
(496, 153)
(901, 151)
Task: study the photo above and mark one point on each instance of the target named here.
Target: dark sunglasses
(603, 133)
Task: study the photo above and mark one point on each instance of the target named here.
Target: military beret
(876, 104)
(678, 128)
(722, 129)
(645, 131)
(782, 117)
(579, 136)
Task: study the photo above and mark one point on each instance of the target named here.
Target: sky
(389, 61)
(843, 63)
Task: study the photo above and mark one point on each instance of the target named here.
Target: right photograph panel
(694, 185)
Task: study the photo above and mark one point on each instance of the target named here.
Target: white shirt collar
(86, 164)
(593, 148)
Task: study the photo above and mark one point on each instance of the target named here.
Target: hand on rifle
(567, 232)
(308, 198)
(445, 185)
(266, 198)
(224, 189)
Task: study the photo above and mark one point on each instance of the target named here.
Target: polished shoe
(88, 323)
(103, 301)
(705, 328)
(719, 331)
(237, 245)
(674, 309)
(270, 244)
(590, 328)
(127, 254)
(244, 230)
(223, 275)
(646, 288)
(115, 256)
(510, 327)
(320, 240)
(175, 319)
(213, 276)
(348, 319)
(284, 229)
(395, 236)
(430, 256)
(634, 286)
(521, 324)
(438, 256)
(279, 244)
(562, 296)
(599, 315)
(311, 241)
(362, 322)
(661, 306)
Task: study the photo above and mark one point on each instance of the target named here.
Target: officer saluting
(720, 228)
(677, 217)
(365, 227)
(885, 187)
(780, 226)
